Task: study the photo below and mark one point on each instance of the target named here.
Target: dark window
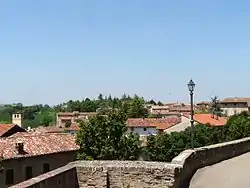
(9, 177)
(145, 129)
(46, 167)
(132, 129)
(29, 173)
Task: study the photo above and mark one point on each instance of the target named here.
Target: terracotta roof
(207, 118)
(166, 113)
(158, 123)
(54, 129)
(204, 103)
(159, 107)
(74, 127)
(76, 113)
(180, 108)
(235, 100)
(4, 128)
(36, 144)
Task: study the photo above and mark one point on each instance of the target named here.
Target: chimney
(17, 119)
(19, 148)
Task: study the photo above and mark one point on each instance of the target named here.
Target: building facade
(66, 119)
(26, 155)
(151, 126)
(236, 105)
(10, 129)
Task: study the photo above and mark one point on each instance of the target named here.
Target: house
(203, 106)
(64, 118)
(151, 126)
(181, 108)
(26, 155)
(159, 110)
(213, 120)
(54, 129)
(10, 129)
(235, 105)
(170, 109)
(181, 126)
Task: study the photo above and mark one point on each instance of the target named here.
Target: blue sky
(53, 51)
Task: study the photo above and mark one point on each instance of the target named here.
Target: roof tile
(207, 118)
(37, 144)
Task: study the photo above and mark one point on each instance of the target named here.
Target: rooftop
(76, 113)
(236, 100)
(208, 119)
(159, 123)
(55, 129)
(36, 144)
(4, 128)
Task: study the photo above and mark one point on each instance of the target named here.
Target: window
(46, 167)
(9, 177)
(226, 112)
(132, 129)
(29, 173)
(145, 129)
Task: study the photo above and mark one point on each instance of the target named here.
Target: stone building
(26, 155)
(151, 126)
(10, 129)
(64, 118)
(235, 105)
(170, 110)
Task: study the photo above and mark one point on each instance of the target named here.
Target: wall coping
(124, 164)
(183, 156)
(187, 167)
(43, 177)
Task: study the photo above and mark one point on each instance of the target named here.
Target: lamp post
(191, 86)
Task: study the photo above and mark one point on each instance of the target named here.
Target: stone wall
(137, 174)
(130, 174)
(190, 161)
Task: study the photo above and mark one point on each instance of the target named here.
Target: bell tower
(17, 119)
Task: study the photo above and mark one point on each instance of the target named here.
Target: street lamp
(191, 86)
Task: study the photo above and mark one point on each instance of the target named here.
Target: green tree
(104, 137)
(160, 103)
(152, 102)
(215, 106)
(137, 108)
(238, 126)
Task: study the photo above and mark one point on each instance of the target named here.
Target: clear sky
(52, 51)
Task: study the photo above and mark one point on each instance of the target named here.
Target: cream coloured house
(235, 105)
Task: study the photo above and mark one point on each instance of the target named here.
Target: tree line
(45, 115)
(105, 137)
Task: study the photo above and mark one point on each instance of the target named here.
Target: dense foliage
(164, 147)
(45, 115)
(104, 137)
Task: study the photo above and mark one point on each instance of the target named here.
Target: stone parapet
(137, 174)
(190, 161)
